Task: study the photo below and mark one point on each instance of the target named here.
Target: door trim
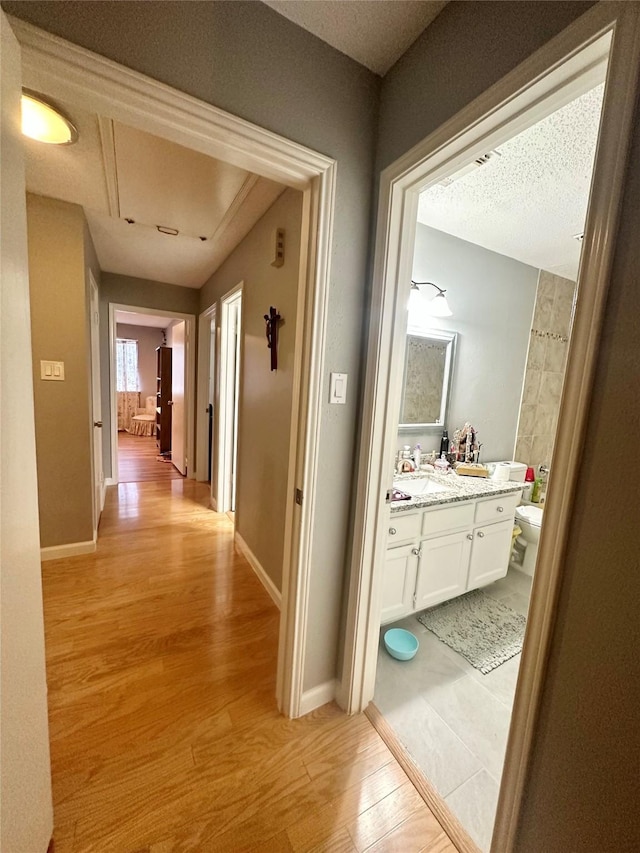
(190, 359)
(475, 129)
(103, 86)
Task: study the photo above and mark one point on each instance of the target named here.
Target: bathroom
(510, 285)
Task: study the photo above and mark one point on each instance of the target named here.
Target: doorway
(151, 418)
(230, 372)
(478, 130)
(207, 385)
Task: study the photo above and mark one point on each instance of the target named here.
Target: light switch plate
(52, 370)
(338, 392)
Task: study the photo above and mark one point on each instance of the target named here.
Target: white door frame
(96, 396)
(497, 114)
(190, 379)
(227, 400)
(76, 75)
(207, 364)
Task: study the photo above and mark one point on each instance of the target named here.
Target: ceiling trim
(105, 87)
(108, 145)
(102, 86)
(236, 204)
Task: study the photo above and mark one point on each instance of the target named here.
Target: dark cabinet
(163, 399)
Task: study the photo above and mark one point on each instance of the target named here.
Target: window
(127, 365)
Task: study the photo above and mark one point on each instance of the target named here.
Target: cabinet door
(399, 582)
(442, 569)
(490, 553)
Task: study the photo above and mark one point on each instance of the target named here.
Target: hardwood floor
(165, 736)
(138, 460)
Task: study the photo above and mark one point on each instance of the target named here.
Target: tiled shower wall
(544, 375)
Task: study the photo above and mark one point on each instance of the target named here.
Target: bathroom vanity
(454, 535)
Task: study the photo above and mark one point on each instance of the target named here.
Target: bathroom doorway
(439, 162)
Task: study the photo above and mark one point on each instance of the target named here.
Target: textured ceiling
(373, 32)
(530, 202)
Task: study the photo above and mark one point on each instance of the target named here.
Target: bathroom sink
(418, 487)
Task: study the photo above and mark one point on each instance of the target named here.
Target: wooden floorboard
(139, 460)
(165, 736)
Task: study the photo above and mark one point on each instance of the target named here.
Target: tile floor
(453, 719)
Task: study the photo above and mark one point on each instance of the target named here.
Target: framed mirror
(428, 370)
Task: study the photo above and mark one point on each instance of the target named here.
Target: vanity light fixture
(437, 307)
(45, 122)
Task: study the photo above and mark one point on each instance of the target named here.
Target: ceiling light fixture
(45, 122)
(436, 307)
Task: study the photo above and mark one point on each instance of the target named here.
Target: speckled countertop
(458, 488)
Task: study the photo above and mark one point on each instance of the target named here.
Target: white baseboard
(73, 549)
(264, 578)
(109, 481)
(214, 504)
(317, 697)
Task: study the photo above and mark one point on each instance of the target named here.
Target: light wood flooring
(138, 460)
(165, 736)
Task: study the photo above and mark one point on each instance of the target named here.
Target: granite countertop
(458, 488)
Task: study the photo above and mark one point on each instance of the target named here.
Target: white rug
(483, 630)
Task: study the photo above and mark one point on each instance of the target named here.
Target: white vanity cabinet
(442, 551)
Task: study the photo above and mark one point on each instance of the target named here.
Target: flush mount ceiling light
(436, 307)
(44, 122)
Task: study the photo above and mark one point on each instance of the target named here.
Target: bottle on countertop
(539, 494)
(444, 443)
(529, 479)
(417, 454)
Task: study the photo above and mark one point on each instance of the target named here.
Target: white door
(443, 568)
(27, 812)
(399, 582)
(490, 555)
(178, 363)
(230, 368)
(98, 470)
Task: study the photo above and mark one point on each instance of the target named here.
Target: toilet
(529, 520)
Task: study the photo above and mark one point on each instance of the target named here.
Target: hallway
(161, 663)
(139, 460)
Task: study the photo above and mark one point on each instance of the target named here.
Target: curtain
(128, 404)
(127, 378)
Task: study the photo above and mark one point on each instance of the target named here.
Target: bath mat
(483, 630)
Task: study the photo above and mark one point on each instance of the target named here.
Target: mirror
(428, 368)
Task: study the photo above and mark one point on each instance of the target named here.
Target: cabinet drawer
(453, 517)
(497, 509)
(402, 527)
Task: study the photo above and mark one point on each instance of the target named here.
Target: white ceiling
(373, 32)
(115, 172)
(530, 202)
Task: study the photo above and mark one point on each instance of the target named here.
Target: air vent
(482, 160)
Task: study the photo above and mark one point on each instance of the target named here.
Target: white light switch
(338, 393)
(52, 370)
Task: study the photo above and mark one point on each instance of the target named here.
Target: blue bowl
(401, 644)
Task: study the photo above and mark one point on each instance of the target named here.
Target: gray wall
(468, 48)
(58, 279)
(584, 774)
(148, 339)
(492, 298)
(138, 293)
(264, 409)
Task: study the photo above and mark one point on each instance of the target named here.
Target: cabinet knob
(392, 531)
(500, 509)
(480, 534)
(469, 535)
(416, 551)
